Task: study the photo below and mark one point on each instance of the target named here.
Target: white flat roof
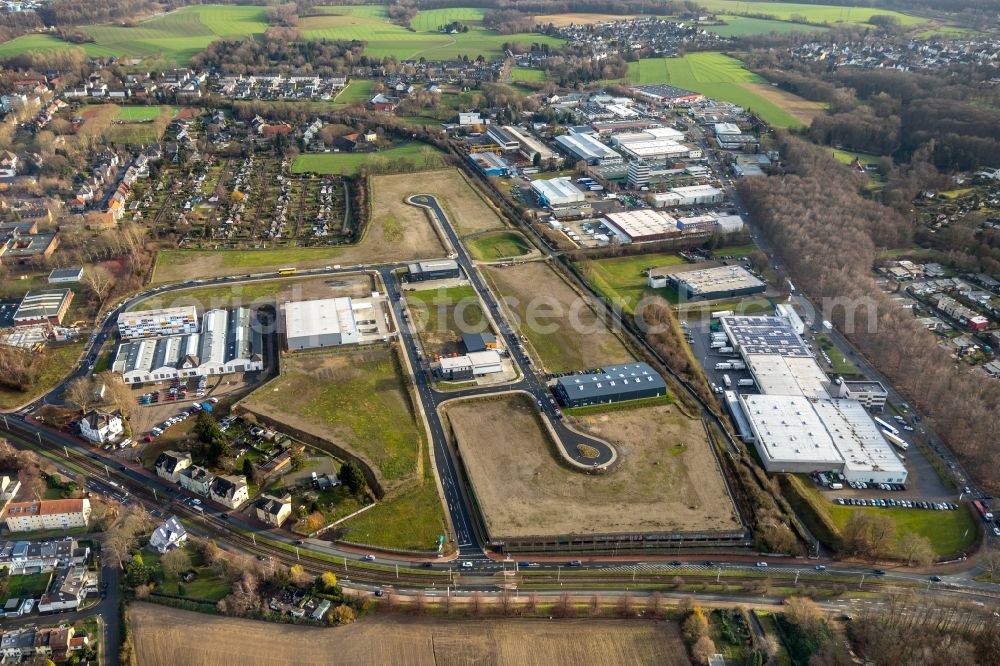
(642, 223)
(162, 313)
(587, 146)
(787, 375)
(655, 147)
(694, 190)
(558, 190)
(481, 358)
(856, 436)
(726, 128)
(665, 133)
(319, 317)
(790, 430)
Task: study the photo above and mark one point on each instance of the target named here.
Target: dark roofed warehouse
(614, 383)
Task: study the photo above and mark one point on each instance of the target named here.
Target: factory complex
(801, 421)
(709, 283)
(230, 341)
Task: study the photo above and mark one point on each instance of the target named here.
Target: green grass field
(820, 14)
(172, 38)
(498, 245)
(527, 74)
(741, 26)
(441, 316)
(356, 92)
(29, 586)
(138, 113)
(386, 39)
(621, 278)
(847, 157)
(714, 74)
(421, 157)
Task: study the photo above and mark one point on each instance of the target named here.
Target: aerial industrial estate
(321, 314)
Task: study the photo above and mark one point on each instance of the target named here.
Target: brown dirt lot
(799, 108)
(168, 636)
(266, 292)
(564, 331)
(561, 20)
(667, 479)
(465, 208)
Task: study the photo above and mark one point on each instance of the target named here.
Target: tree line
(829, 234)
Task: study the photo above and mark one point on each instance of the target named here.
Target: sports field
(356, 92)
(820, 14)
(417, 156)
(721, 77)
(740, 26)
(667, 478)
(167, 636)
(527, 74)
(127, 124)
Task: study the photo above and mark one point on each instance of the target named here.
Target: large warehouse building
(230, 341)
(693, 195)
(588, 148)
(529, 146)
(720, 282)
(638, 226)
(557, 192)
(46, 307)
(328, 322)
(153, 323)
(798, 422)
(614, 383)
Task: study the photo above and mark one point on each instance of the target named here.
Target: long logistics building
(631, 381)
(801, 421)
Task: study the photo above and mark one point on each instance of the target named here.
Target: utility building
(441, 269)
(615, 383)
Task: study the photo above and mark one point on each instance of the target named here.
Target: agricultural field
(171, 38)
(166, 636)
(744, 26)
(571, 18)
(396, 232)
(724, 78)
(386, 39)
(621, 278)
(499, 246)
(408, 157)
(848, 157)
(667, 478)
(560, 326)
(442, 316)
(356, 399)
(807, 13)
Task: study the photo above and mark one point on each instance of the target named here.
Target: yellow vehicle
(286, 271)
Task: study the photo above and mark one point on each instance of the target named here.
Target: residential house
(17, 644)
(101, 427)
(67, 589)
(197, 479)
(229, 490)
(170, 465)
(171, 534)
(273, 510)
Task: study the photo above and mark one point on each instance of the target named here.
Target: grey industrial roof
(764, 335)
(612, 381)
(41, 304)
